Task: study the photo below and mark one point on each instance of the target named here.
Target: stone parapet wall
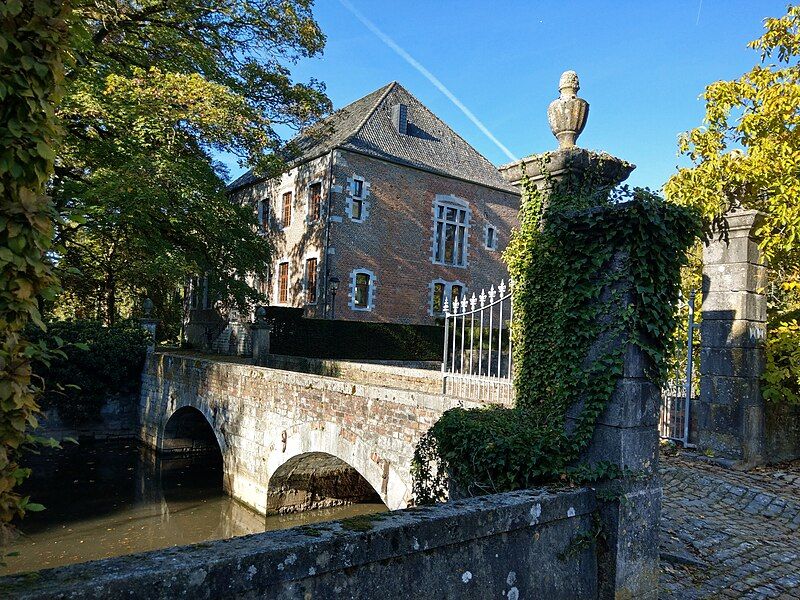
(371, 373)
(509, 545)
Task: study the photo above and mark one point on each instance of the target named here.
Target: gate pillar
(730, 411)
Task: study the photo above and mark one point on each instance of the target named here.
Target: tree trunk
(111, 299)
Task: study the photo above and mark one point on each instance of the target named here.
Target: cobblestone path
(727, 533)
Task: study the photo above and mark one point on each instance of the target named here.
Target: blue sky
(642, 66)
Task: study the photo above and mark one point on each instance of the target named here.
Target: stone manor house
(387, 205)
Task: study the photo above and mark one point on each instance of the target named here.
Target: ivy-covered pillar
(730, 411)
(596, 277)
(625, 433)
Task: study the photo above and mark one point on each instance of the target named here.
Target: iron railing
(678, 393)
(476, 361)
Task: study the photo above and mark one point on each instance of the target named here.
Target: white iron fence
(476, 362)
(680, 389)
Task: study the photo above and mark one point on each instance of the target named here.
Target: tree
(748, 152)
(159, 86)
(33, 43)
(748, 155)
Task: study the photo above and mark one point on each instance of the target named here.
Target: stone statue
(567, 114)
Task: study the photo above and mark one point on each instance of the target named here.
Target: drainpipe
(326, 271)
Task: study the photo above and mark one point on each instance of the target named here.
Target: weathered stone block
(727, 333)
(735, 305)
(634, 403)
(735, 277)
(634, 448)
(731, 362)
(637, 364)
(716, 389)
(736, 250)
(628, 563)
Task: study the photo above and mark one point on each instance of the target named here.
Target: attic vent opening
(400, 118)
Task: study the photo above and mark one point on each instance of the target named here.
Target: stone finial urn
(568, 113)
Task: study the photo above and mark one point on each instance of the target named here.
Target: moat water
(109, 499)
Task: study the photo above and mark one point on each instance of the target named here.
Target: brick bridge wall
(262, 417)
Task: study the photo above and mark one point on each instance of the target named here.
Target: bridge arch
(315, 480)
(323, 437)
(188, 428)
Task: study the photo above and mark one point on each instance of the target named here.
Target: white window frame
(351, 296)
(438, 239)
(277, 284)
(486, 244)
(305, 278)
(351, 198)
(308, 201)
(447, 294)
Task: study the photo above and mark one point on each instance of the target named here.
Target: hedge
(321, 338)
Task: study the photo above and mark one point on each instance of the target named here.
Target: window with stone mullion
(451, 235)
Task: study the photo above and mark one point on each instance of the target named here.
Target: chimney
(400, 118)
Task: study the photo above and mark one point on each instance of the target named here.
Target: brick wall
(395, 239)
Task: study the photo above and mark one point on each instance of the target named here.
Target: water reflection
(108, 499)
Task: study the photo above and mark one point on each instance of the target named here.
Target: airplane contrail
(427, 74)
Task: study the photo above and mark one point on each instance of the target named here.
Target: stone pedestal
(259, 333)
(577, 166)
(730, 412)
(150, 325)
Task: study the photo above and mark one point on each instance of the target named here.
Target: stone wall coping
(565, 160)
(393, 367)
(438, 402)
(250, 564)
(744, 219)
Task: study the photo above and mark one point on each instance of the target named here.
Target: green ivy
(592, 270)
(33, 43)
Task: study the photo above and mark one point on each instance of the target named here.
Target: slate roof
(366, 126)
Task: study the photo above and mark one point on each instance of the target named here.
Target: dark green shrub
(97, 362)
(319, 338)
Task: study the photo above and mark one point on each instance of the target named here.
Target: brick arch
(329, 438)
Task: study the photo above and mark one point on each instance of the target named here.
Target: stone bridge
(290, 440)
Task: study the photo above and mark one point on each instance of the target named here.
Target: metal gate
(680, 389)
(476, 362)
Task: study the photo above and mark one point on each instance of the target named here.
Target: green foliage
(158, 88)
(95, 362)
(323, 338)
(746, 153)
(32, 47)
(592, 273)
(781, 378)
